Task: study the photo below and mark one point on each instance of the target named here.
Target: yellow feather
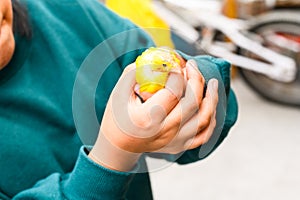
(153, 68)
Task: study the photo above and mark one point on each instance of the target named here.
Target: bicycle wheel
(285, 26)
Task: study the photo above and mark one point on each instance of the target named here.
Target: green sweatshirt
(41, 155)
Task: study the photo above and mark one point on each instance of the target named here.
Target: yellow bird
(153, 67)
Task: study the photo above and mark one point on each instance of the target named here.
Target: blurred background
(261, 38)
(259, 160)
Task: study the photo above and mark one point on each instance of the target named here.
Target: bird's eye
(164, 65)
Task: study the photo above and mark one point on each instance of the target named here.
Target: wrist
(110, 156)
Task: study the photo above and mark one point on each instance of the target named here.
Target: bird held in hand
(153, 68)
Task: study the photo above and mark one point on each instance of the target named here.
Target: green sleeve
(227, 109)
(88, 180)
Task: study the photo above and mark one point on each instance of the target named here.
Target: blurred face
(7, 42)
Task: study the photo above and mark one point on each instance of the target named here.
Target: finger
(202, 137)
(127, 80)
(203, 119)
(194, 90)
(164, 100)
(192, 67)
(207, 115)
(208, 106)
(190, 104)
(211, 96)
(125, 85)
(195, 125)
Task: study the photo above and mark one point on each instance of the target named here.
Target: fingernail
(137, 88)
(215, 84)
(192, 63)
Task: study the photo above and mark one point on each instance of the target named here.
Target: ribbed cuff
(92, 181)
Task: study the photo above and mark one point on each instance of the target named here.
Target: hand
(198, 113)
(130, 127)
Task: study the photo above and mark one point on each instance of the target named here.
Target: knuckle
(175, 95)
(189, 145)
(193, 105)
(176, 124)
(204, 122)
(201, 127)
(143, 123)
(193, 109)
(193, 94)
(210, 114)
(205, 140)
(201, 78)
(192, 145)
(207, 109)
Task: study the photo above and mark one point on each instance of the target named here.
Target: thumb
(124, 88)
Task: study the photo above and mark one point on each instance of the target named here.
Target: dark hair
(21, 24)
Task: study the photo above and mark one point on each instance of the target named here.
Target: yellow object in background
(230, 8)
(142, 14)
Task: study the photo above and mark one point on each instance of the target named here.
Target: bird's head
(160, 60)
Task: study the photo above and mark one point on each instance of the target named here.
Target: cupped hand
(141, 127)
(174, 119)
